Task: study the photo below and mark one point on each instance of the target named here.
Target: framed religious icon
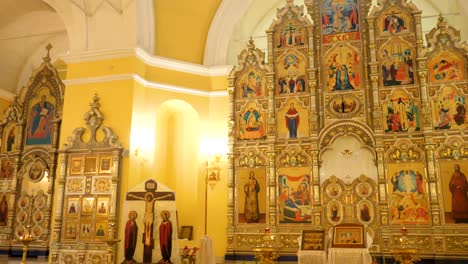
(70, 230)
(36, 171)
(313, 240)
(23, 202)
(186, 232)
(87, 205)
(20, 231)
(76, 165)
(36, 231)
(72, 206)
(90, 165)
(348, 236)
(9, 138)
(6, 169)
(100, 230)
(4, 209)
(38, 216)
(102, 206)
(86, 230)
(105, 164)
(21, 217)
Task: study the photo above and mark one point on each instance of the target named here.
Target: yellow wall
(163, 132)
(182, 27)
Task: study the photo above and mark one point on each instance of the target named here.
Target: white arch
(76, 26)
(224, 21)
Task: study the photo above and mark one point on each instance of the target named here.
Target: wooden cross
(150, 196)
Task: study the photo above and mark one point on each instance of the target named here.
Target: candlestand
(267, 252)
(26, 239)
(404, 254)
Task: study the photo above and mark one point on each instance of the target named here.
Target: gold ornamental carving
(453, 148)
(251, 159)
(294, 156)
(289, 241)
(404, 154)
(346, 129)
(75, 185)
(457, 243)
(248, 241)
(102, 185)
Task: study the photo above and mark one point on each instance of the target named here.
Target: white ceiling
(27, 26)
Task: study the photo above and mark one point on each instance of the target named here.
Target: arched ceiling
(26, 26)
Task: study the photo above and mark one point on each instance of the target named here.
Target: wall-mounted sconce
(213, 171)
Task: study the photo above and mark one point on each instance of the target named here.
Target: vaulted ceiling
(26, 26)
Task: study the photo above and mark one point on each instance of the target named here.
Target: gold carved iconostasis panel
(341, 57)
(28, 158)
(357, 125)
(452, 155)
(353, 202)
(88, 201)
(446, 63)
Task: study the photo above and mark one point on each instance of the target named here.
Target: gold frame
(76, 169)
(83, 206)
(348, 236)
(99, 200)
(76, 204)
(67, 235)
(38, 169)
(90, 166)
(108, 168)
(91, 234)
(102, 224)
(186, 232)
(313, 240)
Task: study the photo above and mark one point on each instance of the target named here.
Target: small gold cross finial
(47, 57)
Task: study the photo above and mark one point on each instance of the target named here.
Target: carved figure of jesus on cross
(150, 196)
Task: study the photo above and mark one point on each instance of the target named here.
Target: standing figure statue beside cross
(150, 196)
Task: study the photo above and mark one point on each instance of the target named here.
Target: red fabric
(459, 188)
(165, 233)
(292, 111)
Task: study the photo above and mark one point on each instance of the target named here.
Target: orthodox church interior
(233, 131)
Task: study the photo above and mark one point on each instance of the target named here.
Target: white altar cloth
(312, 256)
(349, 255)
(206, 253)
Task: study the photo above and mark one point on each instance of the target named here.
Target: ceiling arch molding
(221, 29)
(75, 25)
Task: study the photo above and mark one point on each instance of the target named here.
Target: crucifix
(150, 196)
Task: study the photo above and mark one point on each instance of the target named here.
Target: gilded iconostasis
(350, 119)
(28, 159)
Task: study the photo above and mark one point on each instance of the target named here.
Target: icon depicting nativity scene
(313, 130)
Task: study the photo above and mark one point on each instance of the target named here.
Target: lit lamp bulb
(403, 238)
